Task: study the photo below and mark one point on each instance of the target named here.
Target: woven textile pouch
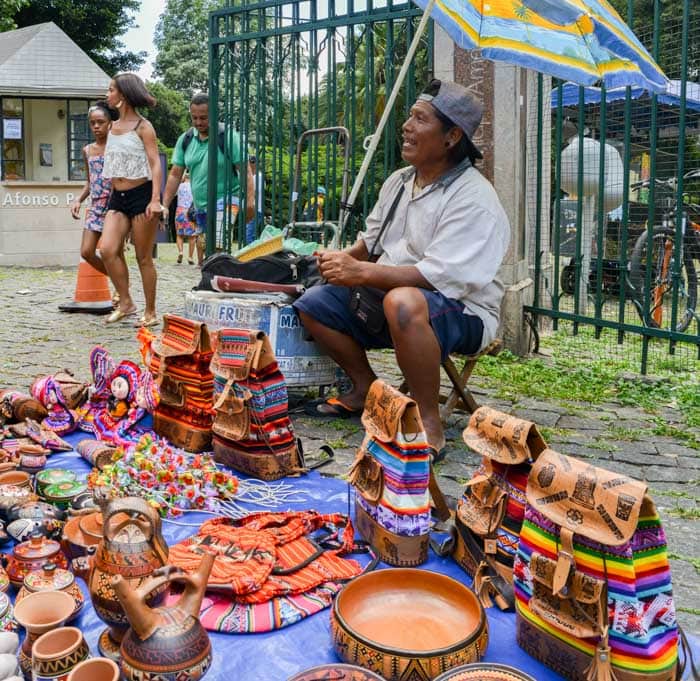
(393, 479)
(491, 511)
(591, 576)
(252, 430)
(179, 360)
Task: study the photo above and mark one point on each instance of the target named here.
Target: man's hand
(340, 268)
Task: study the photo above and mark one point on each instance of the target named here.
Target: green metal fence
(620, 171)
(279, 69)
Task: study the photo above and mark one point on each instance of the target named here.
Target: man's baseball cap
(456, 103)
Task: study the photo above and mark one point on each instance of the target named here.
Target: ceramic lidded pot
(62, 493)
(448, 624)
(39, 613)
(31, 555)
(171, 642)
(132, 547)
(7, 621)
(52, 578)
(56, 653)
(95, 669)
(337, 672)
(51, 476)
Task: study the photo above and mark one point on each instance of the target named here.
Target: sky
(141, 38)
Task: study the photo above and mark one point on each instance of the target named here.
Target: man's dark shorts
(455, 331)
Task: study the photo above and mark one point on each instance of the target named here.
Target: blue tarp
(277, 655)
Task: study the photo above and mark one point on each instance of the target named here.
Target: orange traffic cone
(91, 292)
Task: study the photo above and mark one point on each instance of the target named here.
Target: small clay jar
(95, 669)
(31, 555)
(51, 476)
(56, 653)
(52, 578)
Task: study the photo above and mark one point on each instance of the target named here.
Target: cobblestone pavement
(36, 339)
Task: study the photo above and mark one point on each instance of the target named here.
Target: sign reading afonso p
(26, 200)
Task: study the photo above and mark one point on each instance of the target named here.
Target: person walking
(97, 187)
(185, 223)
(192, 152)
(132, 162)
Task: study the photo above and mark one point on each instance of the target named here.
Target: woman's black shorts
(132, 201)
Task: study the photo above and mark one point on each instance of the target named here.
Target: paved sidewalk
(37, 339)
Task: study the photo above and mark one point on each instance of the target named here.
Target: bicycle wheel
(658, 314)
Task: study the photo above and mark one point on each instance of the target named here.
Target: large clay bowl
(95, 669)
(406, 623)
(336, 672)
(484, 671)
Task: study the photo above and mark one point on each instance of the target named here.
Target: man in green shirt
(192, 151)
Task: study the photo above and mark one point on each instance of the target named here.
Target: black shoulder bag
(366, 302)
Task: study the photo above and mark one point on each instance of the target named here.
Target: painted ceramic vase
(7, 620)
(52, 578)
(132, 547)
(337, 672)
(56, 653)
(448, 624)
(39, 613)
(52, 476)
(484, 671)
(95, 669)
(31, 555)
(62, 493)
(166, 643)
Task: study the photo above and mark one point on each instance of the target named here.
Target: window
(78, 137)
(12, 136)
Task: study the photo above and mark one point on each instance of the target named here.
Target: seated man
(439, 255)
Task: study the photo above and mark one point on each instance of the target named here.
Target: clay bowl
(484, 671)
(337, 672)
(81, 534)
(407, 623)
(16, 478)
(95, 669)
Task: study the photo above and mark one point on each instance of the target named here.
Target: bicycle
(660, 258)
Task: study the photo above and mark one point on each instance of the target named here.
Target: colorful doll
(61, 420)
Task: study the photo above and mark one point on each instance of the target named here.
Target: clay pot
(16, 478)
(95, 669)
(337, 672)
(39, 613)
(7, 621)
(52, 578)
(132, 547)
(31, 555)
(51, 476)
(56, 653)
(166, 642)
(82, 534)
(368, 624)
(484, 671)
(61, 494)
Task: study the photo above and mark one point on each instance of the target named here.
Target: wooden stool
(460, 395)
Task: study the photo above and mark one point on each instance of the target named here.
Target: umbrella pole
(374, 139)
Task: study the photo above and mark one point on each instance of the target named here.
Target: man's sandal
(330, 408)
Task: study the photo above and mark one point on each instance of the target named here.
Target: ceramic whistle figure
(165, 642)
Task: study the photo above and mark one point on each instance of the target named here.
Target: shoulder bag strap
(389, 217)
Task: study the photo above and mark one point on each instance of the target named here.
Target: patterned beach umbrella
(584, 41)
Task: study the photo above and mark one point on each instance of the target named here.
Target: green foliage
(95, 26)
(170, 117)
(182, 39)
(8, 9)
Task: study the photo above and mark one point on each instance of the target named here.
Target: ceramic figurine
(132, 547)
(36, 510)
(166, 642)
(23, 528)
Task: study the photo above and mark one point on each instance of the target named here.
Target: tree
(94, 26)
(182, 40)
(8, 9)
(170, 115)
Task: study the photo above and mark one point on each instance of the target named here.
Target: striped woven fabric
(404, 507)
(643, 634)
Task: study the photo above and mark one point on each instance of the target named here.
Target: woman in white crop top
(131, 161)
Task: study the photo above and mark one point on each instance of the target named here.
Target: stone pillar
(505, 135)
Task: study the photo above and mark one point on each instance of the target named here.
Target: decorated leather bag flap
(232, 419)
(576, 608)
(597, 504)
(388, 411)
(503, 438)
(238, 351)
(180, 337)
(366, 475)
(483, 507)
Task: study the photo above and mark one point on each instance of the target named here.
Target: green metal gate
(621, 252)
(279, 68)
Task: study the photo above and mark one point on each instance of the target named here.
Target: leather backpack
(490, 513)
